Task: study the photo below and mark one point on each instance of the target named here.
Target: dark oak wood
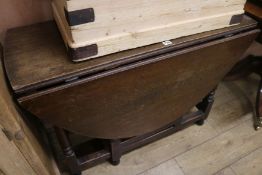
(69, 155)
(258, 123)
(118, 147)
(23, 63)
(253, 7)
(130, 98)
(151, 92)
(135, 97)
(116, 151)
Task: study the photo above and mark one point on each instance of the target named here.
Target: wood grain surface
(238, 142)
(254, 9)
(143, 96)
(135, 91)
(128, 25)
(12, 161)
(244, 148)
(23, 143)
(22, 63)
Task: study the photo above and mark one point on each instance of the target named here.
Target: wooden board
(23, 145)
(11, 160)
(22, 63)
(169, 168)
(115, 26)
(221, 151)
(147, 158)
(140, 97)
(249, 164)
(146, 85)
(254, 9)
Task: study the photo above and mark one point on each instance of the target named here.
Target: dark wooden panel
(254, 9)
(142, 96)
(23, 63)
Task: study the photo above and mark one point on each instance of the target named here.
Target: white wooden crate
(93, 28)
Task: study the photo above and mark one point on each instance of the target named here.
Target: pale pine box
(93, 28)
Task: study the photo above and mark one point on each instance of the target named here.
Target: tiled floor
(226, 145)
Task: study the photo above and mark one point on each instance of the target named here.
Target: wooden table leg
(258, 122)
(117, 147)
(71, 160)
(115, 151)
(206, 106)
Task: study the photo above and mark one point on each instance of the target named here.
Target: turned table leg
(71, 160)
(206, 106)
(258, 122)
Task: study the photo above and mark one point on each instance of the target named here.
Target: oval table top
(124, 94)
